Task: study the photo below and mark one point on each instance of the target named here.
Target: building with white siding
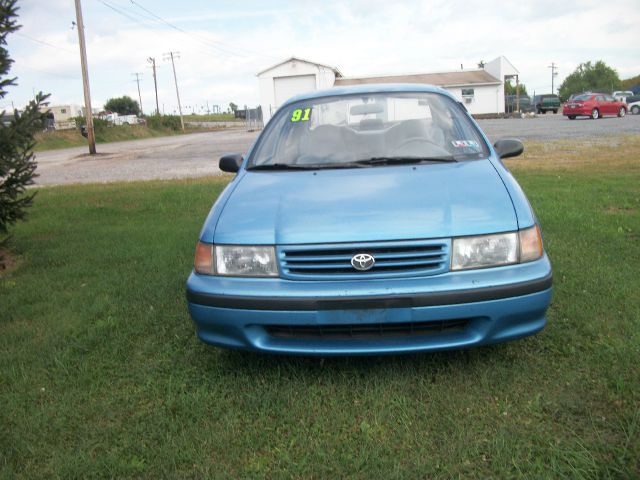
(481, 90)
(292, 77)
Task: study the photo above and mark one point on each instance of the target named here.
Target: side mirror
(230, 162)
(509, 147)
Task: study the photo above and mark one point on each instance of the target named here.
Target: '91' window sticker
(300, 115)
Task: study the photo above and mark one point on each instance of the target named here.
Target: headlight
(496, 250)
(240, 260)
(484, 251)
(245, 261)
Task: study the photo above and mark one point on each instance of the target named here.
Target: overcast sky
(223, 44)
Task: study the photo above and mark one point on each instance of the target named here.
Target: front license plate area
(363, 316)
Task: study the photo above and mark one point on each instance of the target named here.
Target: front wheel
(595, 113)
(635, 109)
(572, 117)
(555, 110)
(622, 112)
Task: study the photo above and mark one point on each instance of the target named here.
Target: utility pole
(152, 61)
(88, 114)
(554, 72)
(517, 94)
(139, 96)
(175, 79)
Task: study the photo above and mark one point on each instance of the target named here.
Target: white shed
(289, 78)
(503, 70)
(481, 90)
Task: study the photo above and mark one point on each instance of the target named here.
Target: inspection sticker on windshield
(301, 114)
(464, 143)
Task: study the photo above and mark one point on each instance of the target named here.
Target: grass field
(213, 117)
(73, 138)
(101, 374)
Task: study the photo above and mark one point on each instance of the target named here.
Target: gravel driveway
(197, 154)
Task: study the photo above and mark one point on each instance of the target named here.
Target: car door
(600, 104)
(612, 106)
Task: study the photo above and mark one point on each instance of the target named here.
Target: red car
(594, 105)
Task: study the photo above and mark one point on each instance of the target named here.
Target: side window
(609, 98)
(599, 98)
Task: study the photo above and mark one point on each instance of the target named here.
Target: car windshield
(365, 130)
(582, 98)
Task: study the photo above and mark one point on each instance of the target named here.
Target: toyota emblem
(363, 261)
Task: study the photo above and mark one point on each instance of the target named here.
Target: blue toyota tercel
(370, 220)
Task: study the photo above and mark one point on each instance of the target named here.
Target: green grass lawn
(101, 374)
(73, 138)
(212, 117)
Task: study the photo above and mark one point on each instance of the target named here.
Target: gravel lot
(197, 154)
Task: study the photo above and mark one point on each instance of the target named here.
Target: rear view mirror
(509, 147)
(230, 162)
(366, 108)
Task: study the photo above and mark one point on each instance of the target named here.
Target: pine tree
(17, 162)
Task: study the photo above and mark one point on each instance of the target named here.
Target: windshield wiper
(404, 160)
(308, 166)
(373, 161)
(282, 166)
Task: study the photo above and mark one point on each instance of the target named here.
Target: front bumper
(452, 310)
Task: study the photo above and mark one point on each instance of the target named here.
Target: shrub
(161, 122)
(17, 162)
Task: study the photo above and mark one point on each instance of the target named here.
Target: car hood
(366, 204)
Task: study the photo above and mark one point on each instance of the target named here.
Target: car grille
(367, 331)
(392, 259)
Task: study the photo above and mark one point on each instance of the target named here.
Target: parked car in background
(632, 99)
(621, 95)
(634, 107)
(511, 103)
(368, 220)
(546, 103)
(594, 105)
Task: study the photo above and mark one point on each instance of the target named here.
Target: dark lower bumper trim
(383, 301)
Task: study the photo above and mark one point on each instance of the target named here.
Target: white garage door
(287, 87)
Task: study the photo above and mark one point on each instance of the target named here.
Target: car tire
(572, 117)
(555, 110)
(595, 114)
(635, 109)
(622, 112)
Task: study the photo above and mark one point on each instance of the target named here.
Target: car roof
(371, 88)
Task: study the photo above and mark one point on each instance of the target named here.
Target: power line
(19, 66)
(203, 40)
(181, 30)
(121, 12)
(43, 42)
(154, 22)
(150, 19)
